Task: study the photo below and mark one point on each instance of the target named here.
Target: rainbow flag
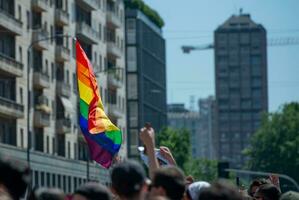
(103, 138)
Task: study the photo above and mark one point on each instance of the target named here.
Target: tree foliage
(275, 146)
(202, 169)
(177, 140)
(149, 12)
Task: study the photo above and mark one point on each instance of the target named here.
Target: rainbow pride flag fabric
(102, 136)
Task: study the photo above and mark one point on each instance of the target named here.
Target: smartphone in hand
(161, 160)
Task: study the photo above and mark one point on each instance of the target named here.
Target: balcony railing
(41, 118)
(10, 23)
(10, 108)
(113, 20)
(11, 66)
(39, 35)
(113, 50)
(114, 111)
(88, 4)
(115, 78)
(87, 33)
(61, 17)
(62, 53)
(41, 80)
(63, 125)
(63, 89)
(39, 5)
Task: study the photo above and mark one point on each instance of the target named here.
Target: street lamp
(29, 96)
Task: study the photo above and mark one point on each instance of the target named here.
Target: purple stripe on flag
(99, 154)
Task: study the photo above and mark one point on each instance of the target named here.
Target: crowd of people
(129, 182)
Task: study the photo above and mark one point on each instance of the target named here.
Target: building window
(69, 149)
(131, 31)
(133, 114)
(21, 54)
(132, 59)
(52, 34)
(100, 31)
(132, 86)
(36, 183)
(53, 180)
(48, 145)
(22, 137)
(42, 175)
(53, 145)
(67, 76)
(52, 71)
(28, 19)
(20, 12)
(100, 63)
(47, 68)
(21, 95)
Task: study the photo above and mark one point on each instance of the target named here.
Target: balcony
(62, 54)
(10, 66)
(63, 126)
(112, 20)
(10, 108)
(113, 50)
(10, 23)
(39, 5)
(41, 118)
(89, 5)
(114, 78)
(41, 80)
(63, 89)
(39, 35)
(61, 17)
(86, 33)
(114, 111)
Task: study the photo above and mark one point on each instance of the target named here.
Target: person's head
(255, 184)
(169, 182)
(195, 188)
(92, 191)
(220, 190)
(14, 177)
(128, 179)
(291, 195)
(47, 194)
(267, 192)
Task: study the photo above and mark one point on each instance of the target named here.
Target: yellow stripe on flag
(86, 93)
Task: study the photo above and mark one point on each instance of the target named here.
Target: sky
(193, 23)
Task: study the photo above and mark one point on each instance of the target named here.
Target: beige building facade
(38, 85)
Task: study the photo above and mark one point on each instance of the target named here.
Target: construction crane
(271, 42)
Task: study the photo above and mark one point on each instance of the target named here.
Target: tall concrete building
(178, 117)
(38, 83)
(146, 74)
(208, 139)
(241, 84)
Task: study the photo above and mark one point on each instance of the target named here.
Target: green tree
(275, 146)
(202, 169)
(177, 140)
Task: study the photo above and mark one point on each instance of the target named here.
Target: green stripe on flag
(115, 136)
(84, 109)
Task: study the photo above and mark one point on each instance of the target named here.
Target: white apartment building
(38, 85)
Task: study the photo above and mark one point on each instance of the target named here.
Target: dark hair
(268, 192)
(257, 183)
(172, 180)
(15, 176)
(220, 190)
(128, 178)
(93, 191)
(47, 194)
